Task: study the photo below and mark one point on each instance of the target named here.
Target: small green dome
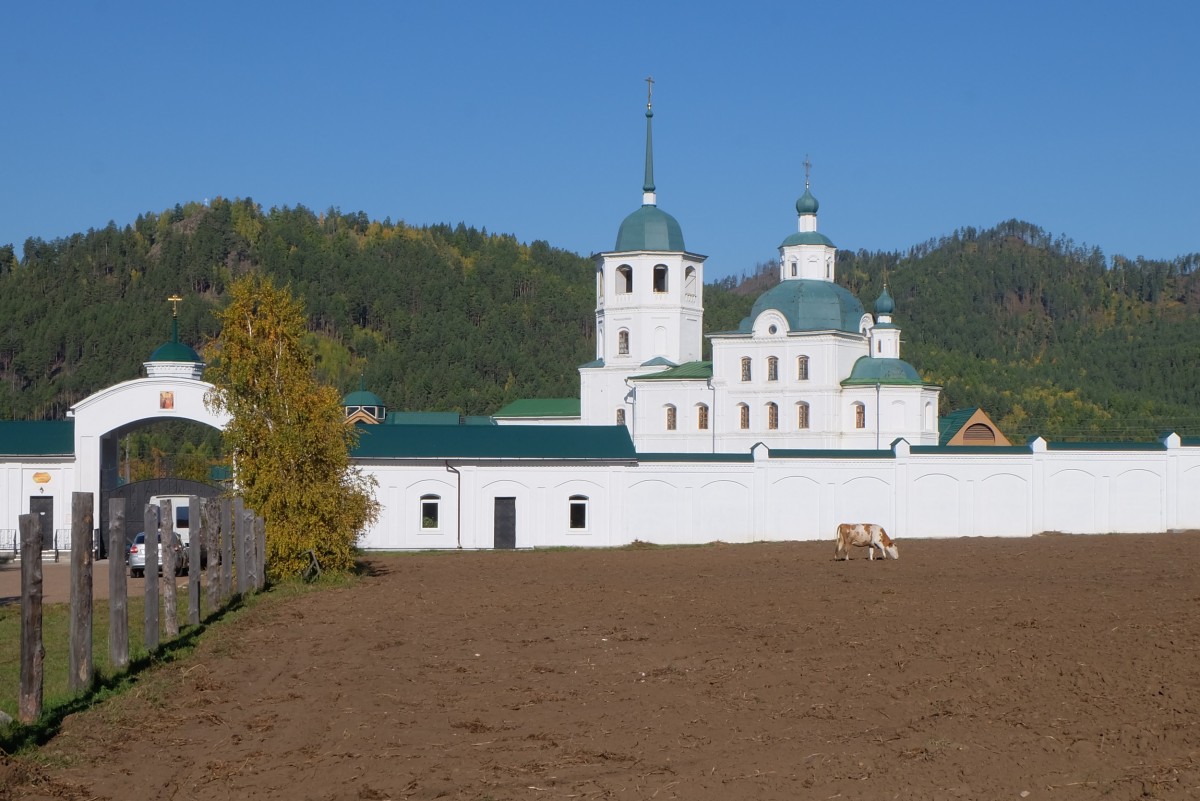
(650, 228)
(174, 352)
(807, 204)
(882, 371)
(362, 397)
(884, 303)
(809, 304)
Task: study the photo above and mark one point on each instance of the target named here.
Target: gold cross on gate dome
(807, 170)
(174, 301)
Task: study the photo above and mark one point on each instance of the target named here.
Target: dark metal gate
(138, 493)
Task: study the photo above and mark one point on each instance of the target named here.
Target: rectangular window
(429, 511)
(746, 368)
(772, 369)
(579, 504)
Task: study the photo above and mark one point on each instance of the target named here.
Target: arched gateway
(171, 390)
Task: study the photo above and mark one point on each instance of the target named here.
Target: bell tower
(649, 299)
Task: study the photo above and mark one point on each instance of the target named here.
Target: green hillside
(1048, 337)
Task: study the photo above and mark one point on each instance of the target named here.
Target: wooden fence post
(210, 525)
(170, 567)
(239, 543)
(195, 558)
(150, 521)
(260, 533)
(29, 704)
(251, 539)
(118, 590)
(80, 627)
(226, 549)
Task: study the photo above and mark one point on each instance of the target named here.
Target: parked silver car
(137, 556)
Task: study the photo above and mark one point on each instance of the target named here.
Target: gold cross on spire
(807, 170)
(649, 90)
(174, 301)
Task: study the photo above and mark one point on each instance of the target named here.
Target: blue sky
(527, 117)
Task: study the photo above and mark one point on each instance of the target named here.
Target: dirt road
(1046, 668)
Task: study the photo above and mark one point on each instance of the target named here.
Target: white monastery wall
(942, 493)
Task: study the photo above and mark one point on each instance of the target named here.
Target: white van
(179, 507)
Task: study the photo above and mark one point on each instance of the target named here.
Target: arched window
(772, 368)
(928, 416)
(660, 278)
(745, 368)
(794, 269)
(802, 368)
(624, 279)
(772, 416)
(623, 342)
(670, 417)
(702, 417)
(801, 415)
(430, 505)
(860, 416)
(743, 416)
(829, 268)
(621, 416)
(689, 282)
(879, 346)
(600, 284)
(578, 514)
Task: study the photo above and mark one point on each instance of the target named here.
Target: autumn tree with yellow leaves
(286, 437)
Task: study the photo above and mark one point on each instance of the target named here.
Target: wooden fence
(229, 543)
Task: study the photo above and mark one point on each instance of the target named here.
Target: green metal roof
(696, 457)
(809, 304)
(953, 422)
(494, 442)
(362, 397)
(541, 407)
(994, 450)
(423, 419)
(882, 371)
(650, 228)
(685, 371)
(831, 453)
(659, 361)
(592, 363)
(37, 437)
(807, 238)
(1106, 446)
(174, 352)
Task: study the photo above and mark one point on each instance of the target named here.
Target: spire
(648, 197)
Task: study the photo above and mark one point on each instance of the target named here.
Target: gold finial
(807, 170)
(174, 301)
(649, 90)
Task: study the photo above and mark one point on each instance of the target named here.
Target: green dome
(882, 371)
(362, 397)
(174, 352)
(650, 228)
(807, 238)
(809, 304)
(807, 204)
(884, 303)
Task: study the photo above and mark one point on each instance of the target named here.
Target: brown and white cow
(864, 535)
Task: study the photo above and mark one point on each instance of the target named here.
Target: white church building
(805, 417)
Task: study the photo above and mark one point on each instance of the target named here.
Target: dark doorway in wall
(506, 523)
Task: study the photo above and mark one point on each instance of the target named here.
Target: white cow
(864, 535)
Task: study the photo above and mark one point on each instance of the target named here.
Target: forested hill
(1047, 337)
